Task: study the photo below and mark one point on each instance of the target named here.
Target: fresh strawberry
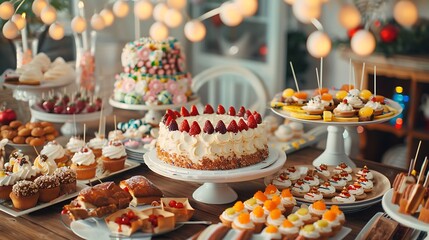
(194, 111)
(241, 111)
(220, 127)
(251, 122)
(208, 109)
(172, 203)
(48, 105)
(184, 112)
(58, 108)
(208, 127)
(248, 113)
(258, 118)
(173, 126)
(169, 119)
(164, 118)
(195, 129)
(345, 101)
(231, 111)
(179, 205)
(71, 108)
(242, 125)
(91, 108)
(184, 126)
(171, 113)
(232, 127)
(177, 114)
(220, 109)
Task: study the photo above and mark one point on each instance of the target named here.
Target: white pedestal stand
(215, 189)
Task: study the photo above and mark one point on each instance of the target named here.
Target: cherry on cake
(212, 140)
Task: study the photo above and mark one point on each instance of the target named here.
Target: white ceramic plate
(38, 113)
(194, 100)
(407, 220)
(63, 81)
(100, 174)
(7, 206)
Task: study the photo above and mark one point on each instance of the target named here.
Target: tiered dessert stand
(334, 153)
(215, 189)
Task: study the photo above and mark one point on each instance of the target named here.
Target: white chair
(231, 86)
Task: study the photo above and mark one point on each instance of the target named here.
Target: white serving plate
(44, 84)
(100, 174)
(40, 114)
(7, 207)
(194, 100)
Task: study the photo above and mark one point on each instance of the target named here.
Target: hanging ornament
(159, 11)
(230, 14)
(107, 16)
(349, 16)
(38, 6)
(195, 30)
(48, 15)
(319, 44)
(173, 18)
(363, 42)
(388, 33)
(351, 32)
(247, 7)
(10, 31)
(177, 4)
(121, 8)
(306, 10)
(6, 10)
(405, 13)
(143, 9)
(158, 31)
(56, 31)
(78, 24)
(19, 21)
(97, 22)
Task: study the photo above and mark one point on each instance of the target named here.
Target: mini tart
(182, 212)
(24, 195)
(67, 178)
(305, 216)
(243, 222)
(162, 224)
(337, 182)
(357, 190)
(288, 230)
(282, 181)
(339, 113)
(333, 220)
(228, 216)
(322, 226)
(271, 190)
(309, 232)
(125, 221)
(317, 209)
(300, 188)
(323, 172)
(271, 232)
(340, 215)
(367, 185)
(258, 217)
(327, 190)
(344, 197)
(49, 187)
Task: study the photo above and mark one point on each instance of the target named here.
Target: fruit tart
(125, 221)
(288, 230)
(181, 208)
(158, 221)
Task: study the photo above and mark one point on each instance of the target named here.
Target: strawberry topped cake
(212, 140)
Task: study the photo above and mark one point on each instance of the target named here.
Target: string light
(319, 44)
(107, 16)
(78, 24)
(6, 10)
(121, 8)
(195, 30)
(230, 14)
(363, 42)
(48, 15)
(143, 9)
(97, 22)
(173, 18)
(10, 31)
(158, 31)
(159, 11)
(56, 31)
(38, 6)
(19, 21)
(177, 4)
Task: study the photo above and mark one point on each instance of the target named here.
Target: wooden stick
(354, 77)
(350, 73)
(375, 82)
(423, 170)
(101, 118)
(36, 150)
(411, 167)
(294, 76)
(426, 183)
(417, 154)
(318, 82)
(361, 77)
(84, 131)
(321, 72)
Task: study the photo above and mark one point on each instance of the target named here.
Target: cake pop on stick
(417, 192)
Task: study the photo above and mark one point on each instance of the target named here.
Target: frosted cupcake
(114, 156)
(305, 216)
(74, 145)
(55, 152)
(84, 164)
(340, 215)
(288, 201)
(295, 220)
(49, 187)
(300, 188)
(7, 180)
(228, 216)
(344, 197)
(317, 209)
(96, 144)
(271, 232)
(278, 201)
(260, 197)
(288, 230)
(271, 190)
(282, 181)
(45, 164)
(67, 178)
(322, 226)
(327, 190)
(331, 217)
(269, 206)
(258, 217)
(24, 195)
(308, 232)
(313, 195)
(365, 172)
(243, 222)
(239, 207)
(275, 218)
(250, 204)
(337, 182)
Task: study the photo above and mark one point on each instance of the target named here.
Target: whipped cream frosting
(53, 150)
(284, 133)
(48, 166)
(84, 157)
(97, 143)
(315, 103)
(312, 181)
(229, 217)
(338, 182)
(344, 107)
(355, 190)
(248, 225)
(354, 100)
(256, 219)
(313, 196)
(31, 74)
(374, 105)
(321, 229)
(345, 198)
(212, 146)
(286, 201)
(326, 189)
(75, 144)
(366, 184)
(271, 235)
(8, 179)
(59, 71)
(288, 230)
(303, 217)
(293, 174)
(365, 173)
(301, 188)
(282, 183)
(276, 222)
(318, 212)
(309, 234)
(27, 172)
(114, 150)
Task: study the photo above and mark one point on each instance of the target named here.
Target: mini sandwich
(141, 190)
(98, 201)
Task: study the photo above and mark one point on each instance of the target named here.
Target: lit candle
(84, 34)
(24, 35)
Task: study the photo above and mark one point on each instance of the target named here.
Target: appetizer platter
(345, 193)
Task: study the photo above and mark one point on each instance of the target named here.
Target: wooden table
(46, 223)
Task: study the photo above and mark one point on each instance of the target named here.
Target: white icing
(53, 151)
(367, 184)
(248, 225)
(31, 74)
(318, 212)
(313, 196)
(75, 144)
(278, 182)
(290, 230)
(267, 235)
(83, 158)
(48, 166)
(288, 201)
(339, 183)
(229, 217)
(303, 188)
(355, 190)
(310, 235)
(257, 219)
(27, 172)
(276, 222)
(345, 199)
(326, 189)
(97, 143)
(8, 180)
(319, 229)
(368, 175)
(312, 182)
(114, 151)
(344, 107)
(314, 103)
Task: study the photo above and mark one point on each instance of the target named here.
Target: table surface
(46, 223)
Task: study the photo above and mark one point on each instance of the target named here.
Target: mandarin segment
(329, 215)
(244, 218)
(275, 214)
(258, 211)
(270, 189)
(319, 205)
(260, 196)
(287, 224)
(326, 97)
(271, 229)
(288, 92)
(270, 205)
(238, 206)
(286, 193)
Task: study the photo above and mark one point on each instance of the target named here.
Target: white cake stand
(69, 128)
(334, 153)
(215, 189)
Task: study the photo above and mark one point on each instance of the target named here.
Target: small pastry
(13, 157)
(376, 106)
(269, 206)
(366, 114)
(49, 187)
(367, 184)
(250, 204)
(7, 180)
(424, 213)
(311, 180)
(24, 195)
(31, 76)
(141, 189)
(292, 173)
(243, 222)
(340, 215)
(332, 218)
(327, 190)
(84, 164)
(317, 209)
(328, 101)
(287, 96)
(344, 110)
(275, 218)
(125, 221)
(340, 95)
(295, 220)
(74, 145)
(357, 190)
(228, 216)
(282, 181)
(288, 230)
(305, 216)
(55, 152)
(272, 123)
(114, 156)
(270, 191)
(271, 232)
(25, 171)
(313, 195)
(45, 165)
(322, 226)
(258, 217)
(346, 176)
(284, 133)
(278, 201)
(67, 178)
(21, 162)
(239, 207)
(342, 167)
(323, 172)
(300, 98)
(159, 221)
(365, 172)
(96, 144)
(344, 197)
(181, 208)
(288, 201)
(314, 106)
(365, 95)
(353, 99)
(133, 144)
(308, 232)
(260, 197)
(116, 135)
(337, 182)
(300, 188)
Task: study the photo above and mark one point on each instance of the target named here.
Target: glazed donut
(37, 132)
(15, 124)
(37, 142)
(48, 129)
(18, 140)
(25, 132)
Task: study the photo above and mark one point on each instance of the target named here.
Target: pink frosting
(144, 54)
(156, 86)
(179, 99)
(128, 85)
